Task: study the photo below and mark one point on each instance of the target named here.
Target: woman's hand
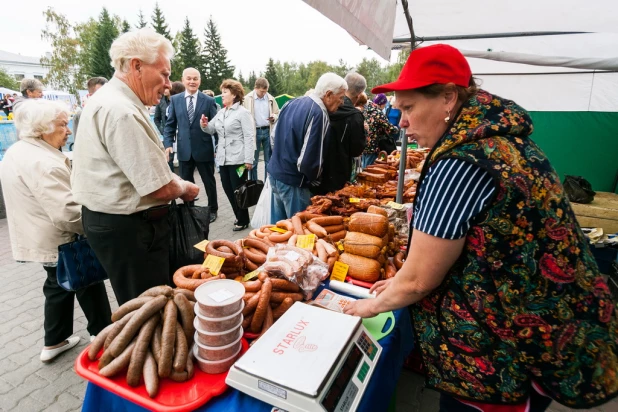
(365, 308)
(248, 166)
(380, 286)
(203, 121)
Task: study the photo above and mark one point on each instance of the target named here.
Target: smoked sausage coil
(211, 248)
(182, 277)
(280, 237)
(286, 224)
(258, 244)
(257, 258)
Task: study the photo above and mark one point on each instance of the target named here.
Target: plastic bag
(189, 225)
(578, 189)
(261, 215)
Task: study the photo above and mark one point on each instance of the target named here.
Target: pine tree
(141, 22)
(107, 32)
(251, 80)
(125, 27)
(272, 77)
(241, 79)
(158, 23)
(189, 48)
(177, 64)
(216, 66)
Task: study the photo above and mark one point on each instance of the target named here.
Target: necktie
(191, 109)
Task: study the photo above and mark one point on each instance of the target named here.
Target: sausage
(328, 220)
(158, 290)
(168, 337)
(279, 266)
(151, 378)
(105, 359)
(129, 306)
(335, 237)
(268, 320)
(251, 304)
(198, 274)
(334, 228)
(253, 285)
(284, 285)
(330, 249)
(247, 296)
(258, 258)
(307, 231)
(186, 316)
(252, 234)
(260, 310)
(331, 263)
(280, 237)
(279, 297)
(190, 369)
(182, 376)
(262, 276)
(286, 224)
(182, 277)
(212, 248)
(250, 266)
(246, 323)
(322, 255)
(181, 350)
(316, 228)
(225, 249)
(118, 364)
(282, 308)
(138, 357)
(398, 260)
(258, 244)
(268, 242)
(292, 240)
(187, 293)
(132, 327)
(98, 342)
(156, 343)
(391, 270)
(297, 224)
(118, 326)
(305, 216)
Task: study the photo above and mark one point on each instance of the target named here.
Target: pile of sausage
(150, 337)
(329, 227)
(266, 300)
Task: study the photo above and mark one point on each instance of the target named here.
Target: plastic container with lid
(219, 298)
(214, 367)
(215, 338)
(217, 353)
(219, 324)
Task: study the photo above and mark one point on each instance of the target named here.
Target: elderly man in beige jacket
(264, 111)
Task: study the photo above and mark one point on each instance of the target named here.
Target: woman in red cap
(509, 308)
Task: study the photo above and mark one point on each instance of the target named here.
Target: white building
(23, 66)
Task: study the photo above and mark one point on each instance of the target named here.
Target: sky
(251, 30)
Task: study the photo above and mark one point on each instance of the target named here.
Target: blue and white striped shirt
(453, 193)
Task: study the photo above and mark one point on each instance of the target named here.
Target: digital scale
(311, 359)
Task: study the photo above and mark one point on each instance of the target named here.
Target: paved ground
(28, 385)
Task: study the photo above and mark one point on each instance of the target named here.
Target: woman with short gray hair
(30, 89)
(43, 215)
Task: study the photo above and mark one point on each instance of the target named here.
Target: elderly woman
(30, 89)
(234, 126)
(508, 304)
(378, 127)
(43, 215)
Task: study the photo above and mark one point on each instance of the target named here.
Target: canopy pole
(486, 36)
(404, 138)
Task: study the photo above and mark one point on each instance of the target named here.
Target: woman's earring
(448, 117)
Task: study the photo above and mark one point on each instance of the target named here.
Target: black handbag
(189, 225)
(578, 189)
(248, 193)
(78, 266)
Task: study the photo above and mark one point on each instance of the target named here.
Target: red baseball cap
(439, 63)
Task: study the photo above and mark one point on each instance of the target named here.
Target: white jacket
(39, 204)
(273, 107)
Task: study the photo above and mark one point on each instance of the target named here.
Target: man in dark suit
(194, 147)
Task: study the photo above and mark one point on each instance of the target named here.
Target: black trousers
(538, 403)
(59, 304)
(207, 173)
(230, 181)
(134, 251)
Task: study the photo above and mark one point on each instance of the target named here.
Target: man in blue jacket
(194, 147)
(301, 136)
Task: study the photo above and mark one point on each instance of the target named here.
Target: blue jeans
(368, 159)
(287, 200)
(262, 138)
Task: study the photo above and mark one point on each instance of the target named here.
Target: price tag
(277, 229)
(201, 246)
(340, 246)
(251, 275)
(355, 200)
(221, 295)
(213, 263)
(394, 205)
(340, 270)
(305, 241)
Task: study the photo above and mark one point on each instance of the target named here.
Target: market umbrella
(283, 99)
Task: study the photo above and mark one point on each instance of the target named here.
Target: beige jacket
(37, 193)
(273, 107)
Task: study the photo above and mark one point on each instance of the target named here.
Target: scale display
(343, 382)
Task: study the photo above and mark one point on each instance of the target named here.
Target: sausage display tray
(172, 396)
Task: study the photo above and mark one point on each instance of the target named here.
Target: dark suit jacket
(192, 141)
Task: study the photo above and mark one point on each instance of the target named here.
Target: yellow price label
(340, 270)
(305, 241)
(394, 205)
(277, 229)
(251, 275)
(213, 264)
(355, 200)
(340, 246)
(201, 246)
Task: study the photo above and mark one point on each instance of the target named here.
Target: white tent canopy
(4, 90)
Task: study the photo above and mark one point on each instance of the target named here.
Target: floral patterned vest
(525, 301)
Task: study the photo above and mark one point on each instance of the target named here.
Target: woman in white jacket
(236, 147)
(43, 215)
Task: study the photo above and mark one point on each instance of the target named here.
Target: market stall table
(396, 346)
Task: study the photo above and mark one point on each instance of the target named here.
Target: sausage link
(187, 316)
(316, 228)
(168, 337)
(279, 297)
(292, 241)
(335, 237)
(119, 363)
(151, 377)
(129, 306)
(181, 350)
(156, 343)
(257, 258)
(260, 310)
(322, 255)
(98, 342)
(258, 244)
(306, 216)
(328, 220)
(280, 237)
(334, 228)
(253, 285)
(246, 323)
(157, 291)
(297, 224)
(188, 293)
(251, 304)
(286, 224)
(268, 320)
(138, 357)
(282, 308)
(398, 260)
(284, 285)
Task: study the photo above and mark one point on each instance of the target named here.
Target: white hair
(143, 44)
(36, 117)
(356, 83)
(330, 81)
(184, 72)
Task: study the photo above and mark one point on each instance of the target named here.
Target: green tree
(106, 34)
(7, 80)
(216, 66)
(177, 64)
(251, 80)
(141, 22)
(242, 80)
(373, 72)
(189, 48)
(158, 22)
(125, 27)
(315, 70)
(63, 61)
(86, 33)
(342, 68)
(272, 77)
